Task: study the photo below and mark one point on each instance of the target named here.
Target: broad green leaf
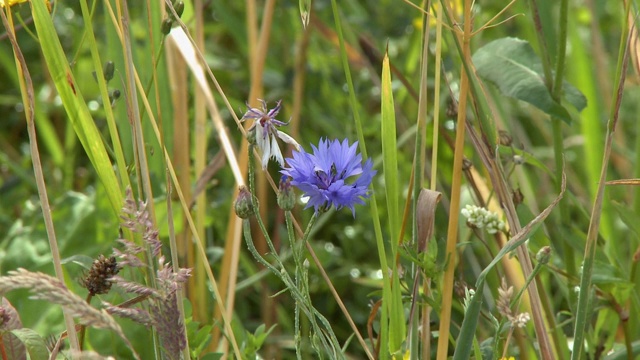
(33, 342)
(513, 66)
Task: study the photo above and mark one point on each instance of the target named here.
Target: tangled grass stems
(47, 288)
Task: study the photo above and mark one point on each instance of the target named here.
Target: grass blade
(74, 104)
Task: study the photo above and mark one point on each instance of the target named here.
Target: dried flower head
(332, 176)
(265, 130)
(136, 218)
(98, 281)
(503, 304)
(48, 288)
(479, 217)
(140, 316)
(163, 313)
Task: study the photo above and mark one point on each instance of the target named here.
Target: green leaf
(33, 342)
(509, 152)
(390, 154)
(513, 66)
(397, 326)
(610, 278)
(74, 104)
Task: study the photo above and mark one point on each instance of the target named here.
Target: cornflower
(264, 130)
(332, 176)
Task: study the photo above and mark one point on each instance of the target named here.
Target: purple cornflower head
(264, 128)
(332, 176)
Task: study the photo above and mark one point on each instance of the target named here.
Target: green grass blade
(390, 154)
(102, 84)
(74, 104)
(386, 283)
(397, 327)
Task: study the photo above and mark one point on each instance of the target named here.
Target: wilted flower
(324, 176)
(265, 132)
(480, 217)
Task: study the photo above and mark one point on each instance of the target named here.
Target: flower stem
(326, 336)
(296, 259)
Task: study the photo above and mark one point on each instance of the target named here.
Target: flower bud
(179, 7)
(109, 69)
(165, 28)
(505, 138)
(286, 196)
(544, 255)
(113, 96)
(244, 205)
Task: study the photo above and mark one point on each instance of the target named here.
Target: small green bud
(166, 26)
(179, 7)
(244, 203)
(286, 196)
(109, 69)
(113, 96)
(544, 255)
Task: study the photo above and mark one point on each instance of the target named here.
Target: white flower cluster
(520, 320)
(480, 217)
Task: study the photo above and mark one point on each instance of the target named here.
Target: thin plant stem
(554, 86)
(582, 315)
(386, 287)
(296, 259)
(28, 99)
(327, 337)
(558, 147)
(307, 308)
(456, 183)
(83, 329)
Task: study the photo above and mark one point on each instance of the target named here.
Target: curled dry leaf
(426, 213)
